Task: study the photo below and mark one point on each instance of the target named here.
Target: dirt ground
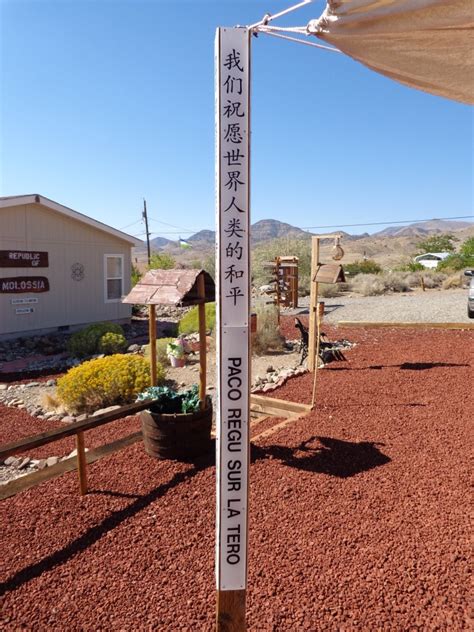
(358, 514)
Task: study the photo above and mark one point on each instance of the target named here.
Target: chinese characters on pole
(233, 304)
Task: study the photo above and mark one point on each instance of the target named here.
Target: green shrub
(161, 261)
(116, 379)
(86, 342)
(135, 275)
(161, 355)
(456, 262)
(189, 324)
(366, 266)
(111, 343)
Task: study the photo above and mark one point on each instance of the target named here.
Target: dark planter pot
(177, 436)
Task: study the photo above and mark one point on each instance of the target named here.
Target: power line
(405, 221)
(132, 224)
(172, 225)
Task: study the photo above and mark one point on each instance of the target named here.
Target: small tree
(161, 261)
(463, 259)
(437, 243)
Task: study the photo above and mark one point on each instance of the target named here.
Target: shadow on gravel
(410, 366)
(326, 456)
(94, 534)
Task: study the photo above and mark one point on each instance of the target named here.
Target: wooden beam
(152, 340)
(68, 465)
(43, 438)
(404, 325)
(313, 301)
(202, 341)
(231, 611)
(282, 404)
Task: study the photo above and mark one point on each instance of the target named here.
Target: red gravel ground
(358, 513)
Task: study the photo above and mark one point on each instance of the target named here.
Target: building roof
(171, 287)
(34, 198)
(433, 255)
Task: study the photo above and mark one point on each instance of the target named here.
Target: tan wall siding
(67, 241)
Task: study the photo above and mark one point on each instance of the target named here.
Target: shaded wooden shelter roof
(171, 287)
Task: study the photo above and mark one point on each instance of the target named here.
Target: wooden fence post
(152, 340)
(313, 304)
(201, 286)
(81, 463)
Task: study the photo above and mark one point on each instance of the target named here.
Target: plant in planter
(177, 425)
(175, 352)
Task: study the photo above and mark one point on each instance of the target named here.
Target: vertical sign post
(233, 309)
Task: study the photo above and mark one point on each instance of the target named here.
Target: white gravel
(436, 306)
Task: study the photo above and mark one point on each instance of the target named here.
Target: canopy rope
(267, 31)
(268, 17)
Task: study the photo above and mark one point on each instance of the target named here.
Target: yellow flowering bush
(116, 379)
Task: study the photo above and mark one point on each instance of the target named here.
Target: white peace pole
(232, 52)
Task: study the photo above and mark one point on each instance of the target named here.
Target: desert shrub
(111, 343)
(411, 266)
(456, 262)
(433, 279)
(189, 324)
(49, 401)
(116, 379)
(396, 282)
(414, 279)
(86, 342)
(453, 281)
(328, 290)
(161, 355)
(367, 266)
(267, 337)
(368, 284)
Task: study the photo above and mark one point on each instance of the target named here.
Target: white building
(431, 259)
(59, 269)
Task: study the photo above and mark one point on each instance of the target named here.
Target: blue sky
(104, 103)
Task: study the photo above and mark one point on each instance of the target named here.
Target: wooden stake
(231, 611)
(316, 365)
(81, 463)
(313, 303)
(202, 341)
(152, 339)
(422, 279)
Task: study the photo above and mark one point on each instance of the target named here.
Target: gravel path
(358, 513)
(435, 306)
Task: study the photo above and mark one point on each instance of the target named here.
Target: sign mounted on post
(233, 301)
(23, 259)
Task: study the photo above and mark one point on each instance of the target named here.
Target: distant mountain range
(268, 229)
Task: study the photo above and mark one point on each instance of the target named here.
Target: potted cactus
(177, 425)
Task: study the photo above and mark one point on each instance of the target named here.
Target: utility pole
(145, 217)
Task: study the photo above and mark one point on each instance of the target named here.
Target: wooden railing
(77, 428)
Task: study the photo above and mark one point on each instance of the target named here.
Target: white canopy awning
(425, 44)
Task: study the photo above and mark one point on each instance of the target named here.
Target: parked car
(470, 296)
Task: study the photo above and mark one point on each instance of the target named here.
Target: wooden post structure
(313, 303)
(201, 286)
(152, 340)
(319, 319)
(81, 463)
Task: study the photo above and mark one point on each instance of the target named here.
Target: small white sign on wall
(233, 304)
(23, 301)
(24, 310)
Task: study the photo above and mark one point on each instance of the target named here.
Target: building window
(113, 277)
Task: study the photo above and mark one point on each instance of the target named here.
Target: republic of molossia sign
(23, 259)
(233, 299)
(19, 285)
